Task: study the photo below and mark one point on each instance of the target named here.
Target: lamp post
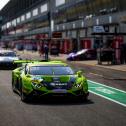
(51, 21)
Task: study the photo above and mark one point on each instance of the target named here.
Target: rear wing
(32, 61)
(24, 61)
(19, 63)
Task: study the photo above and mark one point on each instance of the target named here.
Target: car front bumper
(58, 93)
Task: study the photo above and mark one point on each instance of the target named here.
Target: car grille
(58, 85)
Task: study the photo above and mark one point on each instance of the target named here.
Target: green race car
(52, 78)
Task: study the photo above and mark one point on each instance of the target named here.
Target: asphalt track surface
(61, 112)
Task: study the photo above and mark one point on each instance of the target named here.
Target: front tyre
(13, 85)
(84, 97)
(23, 96)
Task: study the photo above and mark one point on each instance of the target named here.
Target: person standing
(46, 51)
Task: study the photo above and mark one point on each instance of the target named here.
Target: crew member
(46, 51)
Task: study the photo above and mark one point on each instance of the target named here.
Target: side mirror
(79, 73)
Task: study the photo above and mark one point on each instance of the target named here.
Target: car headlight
(37, 82)
(37, 85)
(78, 85)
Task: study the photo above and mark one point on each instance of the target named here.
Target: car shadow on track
(59, 101)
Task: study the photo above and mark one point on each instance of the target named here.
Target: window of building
(4, 27)
(60, 2)
(44, 8)
(28, 15)
(8, 24)
(35, 12)
(22, 17)
(18, 20)
(14, 22)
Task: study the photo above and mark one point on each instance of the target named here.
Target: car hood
(8, 59)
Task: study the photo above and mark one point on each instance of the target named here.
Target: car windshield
(6, 54)
(51, 70)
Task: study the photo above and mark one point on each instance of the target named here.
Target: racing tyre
(23, 96)
(84, 97)
(13, 87)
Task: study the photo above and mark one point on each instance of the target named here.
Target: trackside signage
(98, 29)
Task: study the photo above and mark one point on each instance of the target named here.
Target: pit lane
(59, 112)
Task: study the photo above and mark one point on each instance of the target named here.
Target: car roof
(6, 51)
(48, 63)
